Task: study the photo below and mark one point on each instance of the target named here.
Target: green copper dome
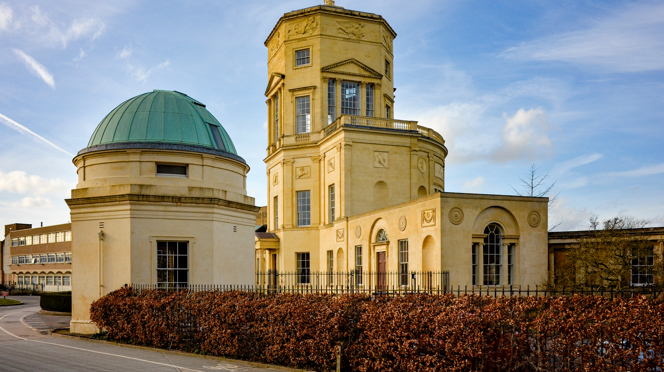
(162, 119)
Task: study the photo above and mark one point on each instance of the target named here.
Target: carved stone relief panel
(455, 215)
(303, 28)
(534, 219)
(340, 235)
(358, 231)
(330, 165)
(274, 45)
(303, 172)
(350, 29)
(439, 171)
(275, 179)
(428, 217)
(403, 223)
(381, 159)
(422, 165)
(387, 40)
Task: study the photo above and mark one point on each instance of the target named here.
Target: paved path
(24, 349)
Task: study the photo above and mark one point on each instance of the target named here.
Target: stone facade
(343, 169)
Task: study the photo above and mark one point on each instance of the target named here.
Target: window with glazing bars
(358, 264)
(387, 68)
(492, 255)
(303, 266)
(276, 213)
(387, 112)
(370, 100)
(276, 117)
(51, 258)
(302, 57)
(303, 208)
(67, 257)
(510, 264)
(331, 202)
(350, 98)
(642, 268)
(403, 262)
(331, 101)
(303, 114)
(474, 264)
(330, 267)
(43, 258)
(172, 264)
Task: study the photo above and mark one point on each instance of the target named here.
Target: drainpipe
(101, 238)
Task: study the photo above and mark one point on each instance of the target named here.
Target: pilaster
(289, 194)
(317, 211)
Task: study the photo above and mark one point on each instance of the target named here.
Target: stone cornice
(160, 199)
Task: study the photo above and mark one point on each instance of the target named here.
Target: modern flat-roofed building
(38, 257)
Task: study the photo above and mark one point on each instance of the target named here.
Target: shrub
(56, 301)
(410, 333)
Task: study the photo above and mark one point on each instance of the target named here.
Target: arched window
(492, 255)
(381, 236)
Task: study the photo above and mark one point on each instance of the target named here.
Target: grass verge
(6, 302)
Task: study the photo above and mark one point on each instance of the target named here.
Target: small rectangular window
(60, 258)
(21, 241)
(370, 100)
(303, 114)
(172, 264)
(43, 239)
(66, 280)
(358, 264)
(331, 202)
(51, 237)
(302, 57)
(58, 280)
(67, 236)
(28, 259)
(303, 208)
(276, 213)
(49, 280)
(387, 68)
(303, 268)
(331, 101)
(42, 279)
(28, 240)
(51, 258)
(14, 260)
(43, 258)
(15, 242)
(475, 264)
(20, 280)
(21, 259)
(67, 257)
(171, 170)
(403, 262)
(510, 264)
(388, 114)
(60, 237)
(35, 239)
(35, 280)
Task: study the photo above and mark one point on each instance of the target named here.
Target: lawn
(5, 302)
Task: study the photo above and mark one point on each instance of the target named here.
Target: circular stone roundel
(456, 215)
(534, 219)
(358, 231)
(422, 165)
(402, 223)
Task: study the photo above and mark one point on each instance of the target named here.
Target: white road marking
(91, 351)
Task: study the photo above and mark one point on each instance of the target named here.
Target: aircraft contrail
(21, 129)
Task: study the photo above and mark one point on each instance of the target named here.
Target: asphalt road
(23, 348)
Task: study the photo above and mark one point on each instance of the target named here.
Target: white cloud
(19, 182)
(6, 15)
(474, 186)
(628, 40)
(23, 130)
(80, 56)
(643, 171)
(36, 68)
(567, 216)
(524, 137)
(33, 202)
(566, 166)
(125, 52)
(141, 74)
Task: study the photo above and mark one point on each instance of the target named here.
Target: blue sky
(574, 87)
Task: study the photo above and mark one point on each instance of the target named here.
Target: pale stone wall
(209, 209)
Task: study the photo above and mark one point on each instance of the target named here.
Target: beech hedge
(410, 333)
(56, 301)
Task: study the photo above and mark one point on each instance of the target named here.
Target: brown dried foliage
(411, 333)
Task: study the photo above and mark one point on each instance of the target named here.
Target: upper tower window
(387, 68)
(276, 117)
(331, 101)
(350, 98)
(370, 99)
(303, 114)
(302, 57)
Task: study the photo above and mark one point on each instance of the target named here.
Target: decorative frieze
(303, 172)
(381, 159)
(428, 217)
(340, 235)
